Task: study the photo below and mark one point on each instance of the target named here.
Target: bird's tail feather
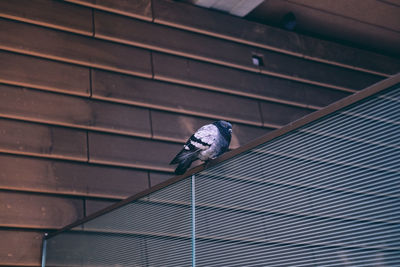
(183, 155)
(183, 166)
(185, 159)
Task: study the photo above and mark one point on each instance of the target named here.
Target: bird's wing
(204, 137)
(200, 140)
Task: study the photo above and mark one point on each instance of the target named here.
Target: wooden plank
(43, 74)
(363, 60)
(277, 114)
(196, 46)
(221, 25)
(178, 128)
(173, 97)
(233, 81)
(171, 40)
(33, 40)
(32, 105)
(20, 248)
(120, 119)
(184, 16)
(315, 72)
(41, 140)
(131, 152)
(158, 177)
(38, 211)
(53, 14)
(22, 103)
(69, 178)
(243, 134)
(93, 206)
(175, 127)
(138, 9)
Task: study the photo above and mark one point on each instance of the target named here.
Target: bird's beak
(230, 130)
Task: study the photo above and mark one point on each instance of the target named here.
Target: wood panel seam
(192, 29)
(171, 51)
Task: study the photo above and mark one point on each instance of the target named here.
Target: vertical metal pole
(193, 194)
(44, 250)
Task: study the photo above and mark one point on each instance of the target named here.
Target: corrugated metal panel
(148, 232)
(324, 194)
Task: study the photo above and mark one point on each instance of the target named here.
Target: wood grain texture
(222, 25)
(131, 152)
(28, 39)
(277, 114)
(93, 206)
(20, 248)
(69, 178)
(53, 14)
(38, 211)
(172, 40)
(158, 177)
(174, 97)
(182, 15)
(138, 9)
(26, 104)
(228, 53)
(219, 78)
(43, 74)
(42, 140)
(310, 71)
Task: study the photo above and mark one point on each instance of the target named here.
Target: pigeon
(208, 142)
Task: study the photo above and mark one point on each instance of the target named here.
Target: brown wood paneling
(26, 104)
(68, 178)
(277, 114)
(158, 177)
(130, 151)
(42, 140)
(174, 127)
(172, 40)
(323, 51)
(138, 9)
(178, 42)
(53, 14)
(179, 128)
(22, 103)
(214, 23)
(43, 74)
(95, 205)
(173, 97)
(243, 134)
(311, 71)
(20, 248)
(191, 72)
(120, 118)
(49, 43)
(38, 211)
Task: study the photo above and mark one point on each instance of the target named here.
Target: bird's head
(224, 125)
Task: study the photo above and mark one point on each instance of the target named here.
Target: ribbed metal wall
(152, 231)
(325, 194)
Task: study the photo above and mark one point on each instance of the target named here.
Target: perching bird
(207, 143)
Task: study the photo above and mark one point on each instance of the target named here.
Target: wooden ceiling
(367, 24)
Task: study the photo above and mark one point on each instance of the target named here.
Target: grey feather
(208, 142)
